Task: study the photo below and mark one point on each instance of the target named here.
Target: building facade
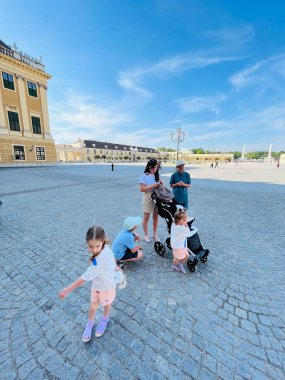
(25, 137)
(94, 151)
(193, 158)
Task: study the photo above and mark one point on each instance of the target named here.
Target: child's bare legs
(175, 261)
(92, 310)
(107, 310)
(104, 321)
(89, 327)
(139, 256)
(145, 221)
(177, 264)
(155, 224)
(185, 259)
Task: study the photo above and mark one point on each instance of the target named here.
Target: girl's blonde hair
(96, 233)
(180, 214)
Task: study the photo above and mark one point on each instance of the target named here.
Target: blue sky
(131, 71)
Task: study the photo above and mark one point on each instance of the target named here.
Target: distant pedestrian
(216, 164)
(180, 181)
(102, 274)
(178, 240)
(212, 165)
(278, 164)
(112, 166)
(124, 246)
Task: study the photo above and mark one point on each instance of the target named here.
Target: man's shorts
(129, 255)
(104, 297)
(148, 203)
(180, 253)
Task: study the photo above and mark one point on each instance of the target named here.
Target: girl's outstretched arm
(65, 291)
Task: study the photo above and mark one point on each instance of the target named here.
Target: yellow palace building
(25, 137)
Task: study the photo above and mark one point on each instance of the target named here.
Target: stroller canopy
(163, 194)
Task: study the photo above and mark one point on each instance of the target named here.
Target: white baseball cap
(180, 162)
(131, 221)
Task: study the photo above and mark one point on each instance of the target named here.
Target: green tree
(276, 155)
(256, 155)
(236, 154)
(198, 151)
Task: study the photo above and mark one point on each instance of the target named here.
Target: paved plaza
(226, 321)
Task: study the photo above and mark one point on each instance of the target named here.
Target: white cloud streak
(236, 36)
(261, 73)
(199, 104)
(131, 80)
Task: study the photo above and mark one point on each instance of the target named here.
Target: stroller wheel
(159, 248)
(168, 243)
(192, 265)
(204, 259)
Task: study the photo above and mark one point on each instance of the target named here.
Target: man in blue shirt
(180, 181)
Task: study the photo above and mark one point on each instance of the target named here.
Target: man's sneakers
(178, 268)
(102, 326)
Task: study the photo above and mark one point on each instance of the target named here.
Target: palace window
(8, 81)
(40, 153)
(19, 152)
(36, 123)
(32, 89)
(14, 121)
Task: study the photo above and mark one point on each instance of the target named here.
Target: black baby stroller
(167, 206)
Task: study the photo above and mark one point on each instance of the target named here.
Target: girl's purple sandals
(102, 327)
(88, 331)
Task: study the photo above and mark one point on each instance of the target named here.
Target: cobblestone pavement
(226, 321)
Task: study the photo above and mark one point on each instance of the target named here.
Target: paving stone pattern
(226, 321)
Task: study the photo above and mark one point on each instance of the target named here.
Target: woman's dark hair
(96, 233)
(150, 165)
(180, 214)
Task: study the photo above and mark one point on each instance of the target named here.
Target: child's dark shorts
(129, 255)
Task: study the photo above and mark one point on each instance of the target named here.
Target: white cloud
(261, 73)
(79, 115)
(198, 104)
(131, 80)
(236, 36)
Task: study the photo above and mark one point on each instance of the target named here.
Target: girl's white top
(102, 275)
(178, 236)
(147, 179)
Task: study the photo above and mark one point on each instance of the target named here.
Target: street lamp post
(178, 136)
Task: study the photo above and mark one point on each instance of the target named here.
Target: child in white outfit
(178, 240)
(102, 274)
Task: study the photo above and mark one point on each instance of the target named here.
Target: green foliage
(276, 155)
(163, 149)
(236, 155)
(256, 155)
(198, 151)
